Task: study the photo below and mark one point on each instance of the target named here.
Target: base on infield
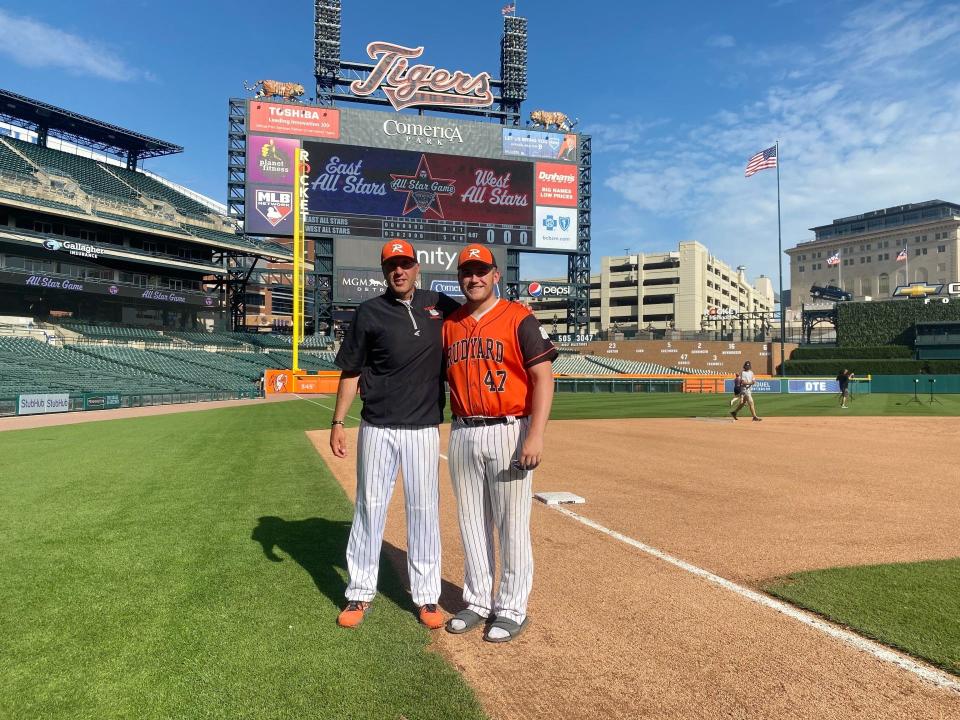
(559, 498)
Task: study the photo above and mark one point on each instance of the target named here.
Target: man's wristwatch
(336, 422)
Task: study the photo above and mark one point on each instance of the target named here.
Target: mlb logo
(565, 223)
(274, 205)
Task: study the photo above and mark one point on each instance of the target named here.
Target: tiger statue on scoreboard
(275, 88)
(550, 118)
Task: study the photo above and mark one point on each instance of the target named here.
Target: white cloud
(853, 137)
(721, 41)
(36, 45)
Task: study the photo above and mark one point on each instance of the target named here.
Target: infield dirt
(617, 633)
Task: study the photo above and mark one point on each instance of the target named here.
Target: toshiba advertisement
(302, 121)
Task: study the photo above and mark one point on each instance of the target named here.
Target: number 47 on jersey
(495, 382)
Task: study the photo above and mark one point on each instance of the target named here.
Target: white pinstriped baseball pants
(493, 496)
(381, 452)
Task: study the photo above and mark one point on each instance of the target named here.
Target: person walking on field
(499, 368)
(392, 352)
(746, 395)
(737, 388)
(843, 380)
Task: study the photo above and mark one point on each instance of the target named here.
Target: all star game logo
(274, 205)
(423, 191)
(918, 290)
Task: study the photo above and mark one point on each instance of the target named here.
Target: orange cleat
(431, 616)
(353, 614)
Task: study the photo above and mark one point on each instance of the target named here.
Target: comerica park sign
(406, 85)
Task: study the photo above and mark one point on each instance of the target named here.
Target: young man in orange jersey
(501, 389)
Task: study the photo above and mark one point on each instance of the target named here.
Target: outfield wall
(905, 384)
(721, 358)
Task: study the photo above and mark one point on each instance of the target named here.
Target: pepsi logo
(538, 290)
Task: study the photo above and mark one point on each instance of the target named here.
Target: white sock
(496, 633)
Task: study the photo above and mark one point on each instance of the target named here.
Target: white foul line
(924, 672)
(349, 416)
(324, 406)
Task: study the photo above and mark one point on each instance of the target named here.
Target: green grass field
(570, 406)
(191, 566)
(911, 606)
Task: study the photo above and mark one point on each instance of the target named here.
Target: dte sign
(813, 386)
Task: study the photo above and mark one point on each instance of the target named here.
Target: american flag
(902, 255)
(761, 161)
(508, 9)
(834, 259)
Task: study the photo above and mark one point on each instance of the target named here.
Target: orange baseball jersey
(487, 359)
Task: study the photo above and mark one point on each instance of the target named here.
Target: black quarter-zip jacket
(397, 349)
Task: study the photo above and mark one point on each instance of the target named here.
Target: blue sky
(864, 97)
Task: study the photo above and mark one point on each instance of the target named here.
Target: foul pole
(296, 300)
(783, 312)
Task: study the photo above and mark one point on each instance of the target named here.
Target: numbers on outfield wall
(732, 346)
(507, 237)
(491, 236)
(683, 356)
(524, 237)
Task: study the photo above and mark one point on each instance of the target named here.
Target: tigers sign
(407, 85)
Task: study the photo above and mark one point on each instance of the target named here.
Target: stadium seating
(90, 175)
(172, 367)
(156, 189)
(632, 367)
(57, 205)
(10, 162)
(199, 337)
(116, 332)
(310, 362)
(228, 238)
(142, 223)
(579, 365)
(30, 365)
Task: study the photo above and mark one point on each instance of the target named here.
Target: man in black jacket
(392, 352)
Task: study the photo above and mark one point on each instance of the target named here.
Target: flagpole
(840, 268)
(783, 312)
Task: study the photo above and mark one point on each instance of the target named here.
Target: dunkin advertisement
(356, 182)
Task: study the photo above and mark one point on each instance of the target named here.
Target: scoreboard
(376, 175)
(420, 230)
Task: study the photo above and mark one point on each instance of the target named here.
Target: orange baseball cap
(476, 253)
(397, 248)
